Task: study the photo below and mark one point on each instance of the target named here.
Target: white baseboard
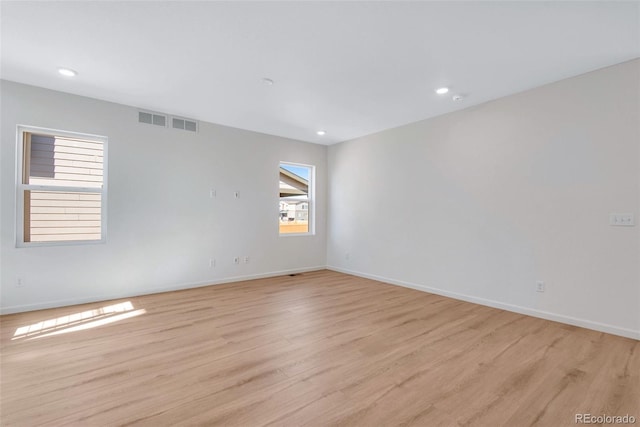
(601, 327)
(177, 287)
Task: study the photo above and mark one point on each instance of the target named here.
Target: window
(61, 187)
(296, 199)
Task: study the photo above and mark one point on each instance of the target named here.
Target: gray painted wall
(162, 226)
(482, 203)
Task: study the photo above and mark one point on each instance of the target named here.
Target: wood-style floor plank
(321, 348)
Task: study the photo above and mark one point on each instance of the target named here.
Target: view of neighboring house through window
(62, 194)
(295, 198)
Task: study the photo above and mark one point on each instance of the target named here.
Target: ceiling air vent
(184, 124)
(152, 119)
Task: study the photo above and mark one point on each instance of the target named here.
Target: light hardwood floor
(321, 348)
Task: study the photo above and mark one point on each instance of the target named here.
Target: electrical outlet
(246, 260)
(236, 194)
(212, 262)
(540, 287)
(212, 193)
(19, 282)
(236, 260)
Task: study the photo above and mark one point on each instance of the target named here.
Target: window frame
(311, 205)
(20, 186)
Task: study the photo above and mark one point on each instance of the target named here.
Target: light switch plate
(623, 220)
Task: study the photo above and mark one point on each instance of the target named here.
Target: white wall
(162, 225)
(481, 203)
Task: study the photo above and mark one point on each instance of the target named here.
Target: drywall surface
(482, 203)
(162, 227)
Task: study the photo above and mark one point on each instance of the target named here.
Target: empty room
(314, 213)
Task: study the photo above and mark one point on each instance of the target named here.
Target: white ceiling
(350, 68)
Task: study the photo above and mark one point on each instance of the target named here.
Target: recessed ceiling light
(267, 81)
(321, 132)
(67, 72)
(442, 90)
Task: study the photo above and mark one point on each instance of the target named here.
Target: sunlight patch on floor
(78, 321)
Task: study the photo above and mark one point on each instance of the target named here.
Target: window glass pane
(294, 198)
(62, 216)
(67, 162)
